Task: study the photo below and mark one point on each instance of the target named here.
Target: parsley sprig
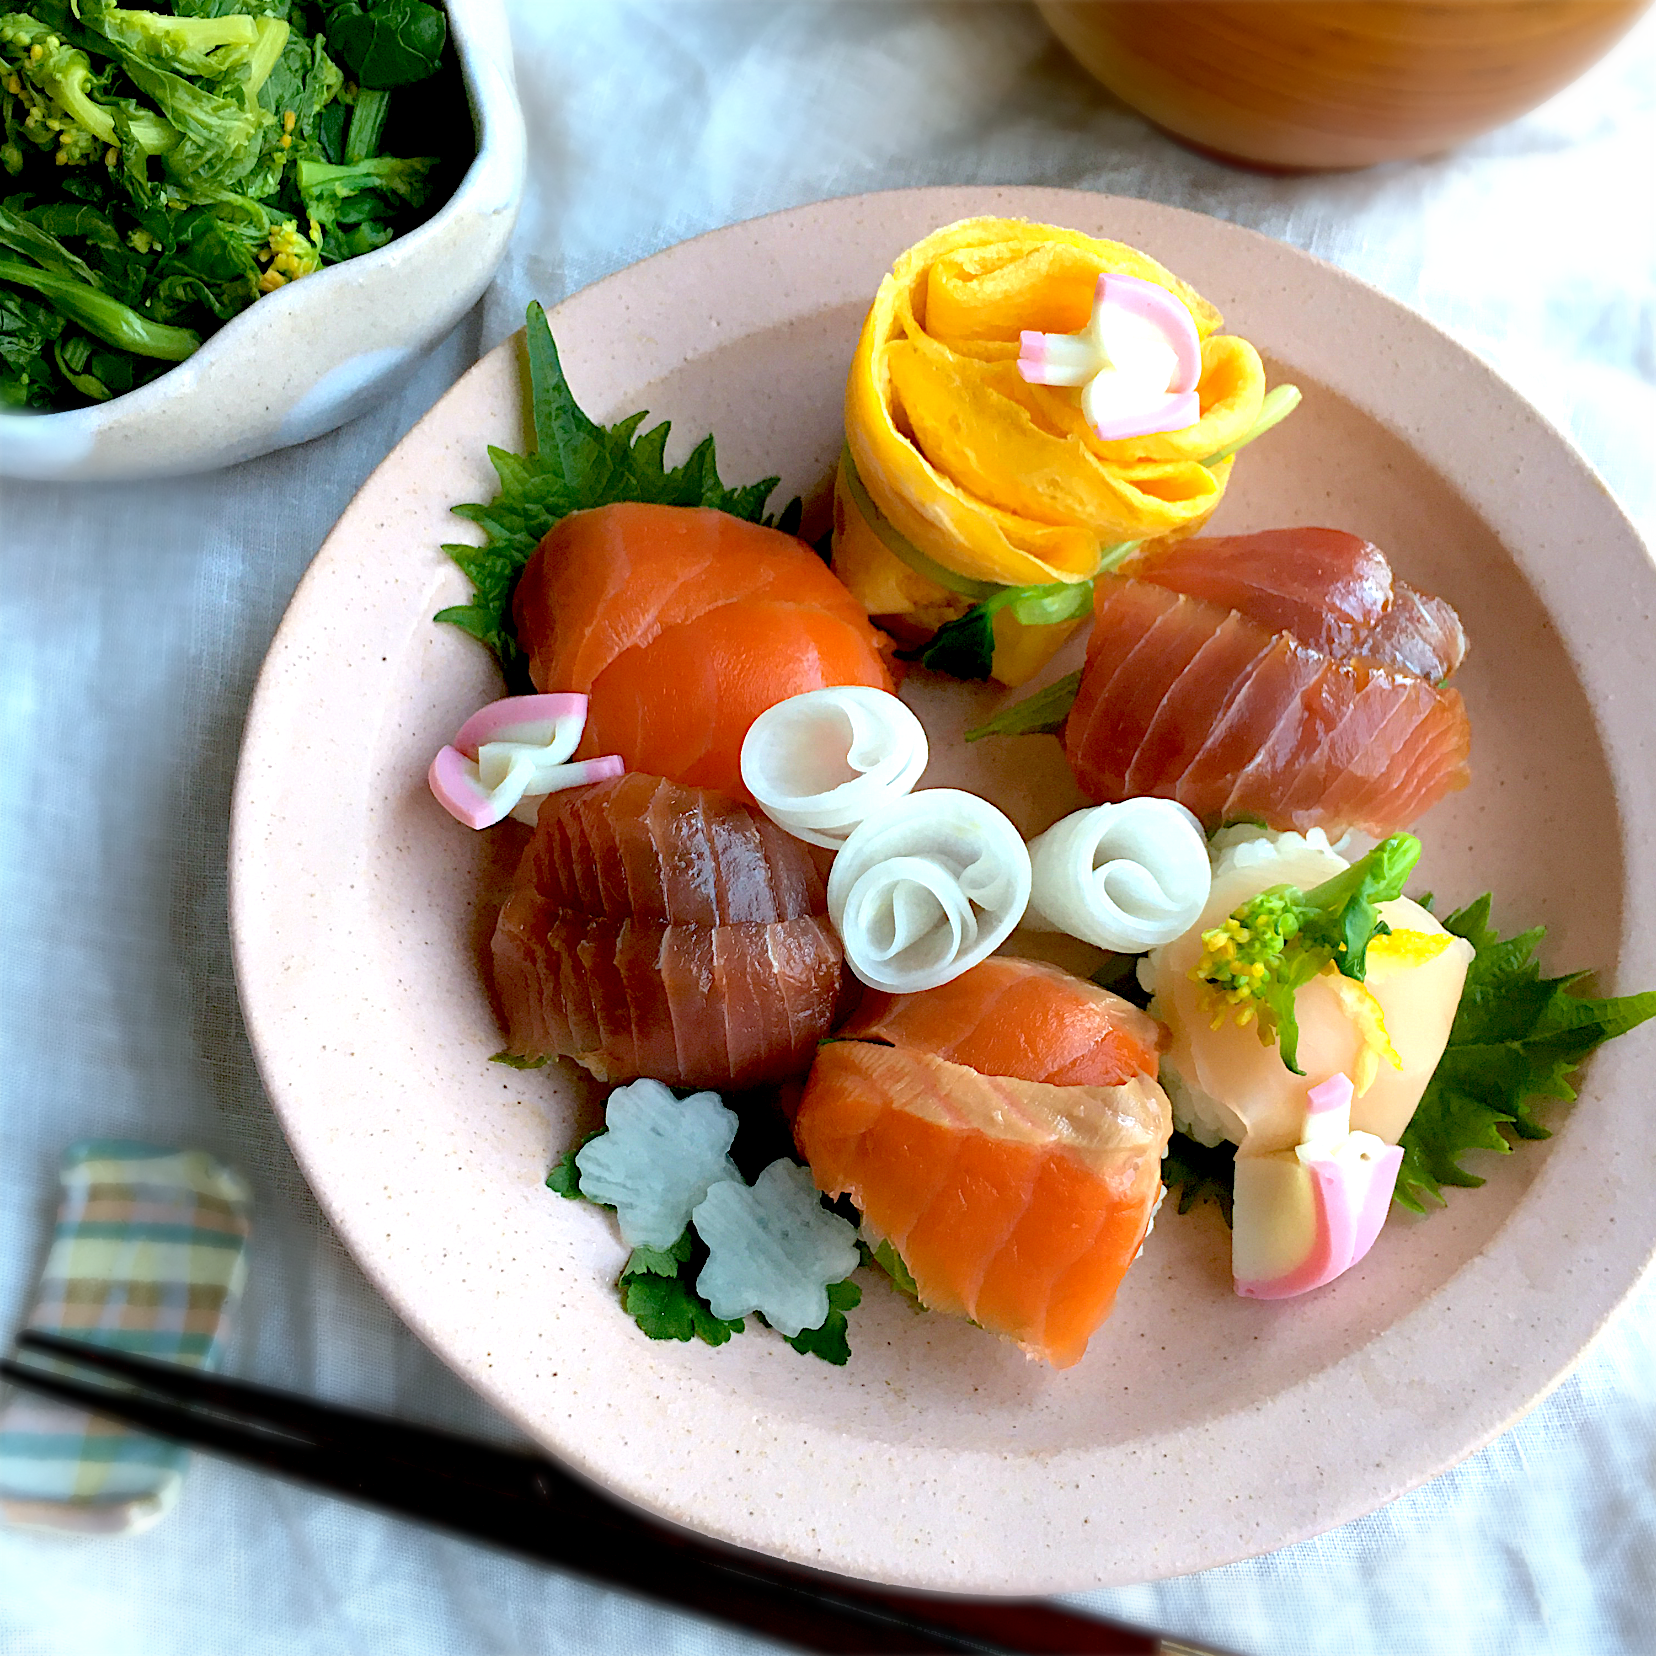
(576, 465)
(658, 1285)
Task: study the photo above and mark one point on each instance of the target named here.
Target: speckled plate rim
(1437, 1384)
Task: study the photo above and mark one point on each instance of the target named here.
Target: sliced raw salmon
(1285, 676)
(655, 930)
(1017, 1203)
(1018, 1018)
(683, 624)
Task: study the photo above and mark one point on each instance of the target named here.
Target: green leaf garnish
(891, 1262)
(1194, 1172)
(658, 1290)
(965, 647)
(1042, 714)
(512, 1061)
(1279, 402)
(1257, 960)
(565, 1177)
(386, 43)
(576, 466)
(830, 1342)
(1516, 1039)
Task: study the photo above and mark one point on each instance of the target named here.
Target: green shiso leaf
(1517, 1039)
(576, 465)
(1195, 1172)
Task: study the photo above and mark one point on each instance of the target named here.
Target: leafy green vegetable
(891, 1262)
(354, 203)
(965, 648)
(1193, 1172)
(830, 1342)
(386, 43)
(512, 1061)
(1516, 1038)
(103, 317)
(1042, 714)
(576, 465)
(367, 125)
(28, 332)
(154, 153)
(659, 1293)
(1257, 960)
(565, 1177)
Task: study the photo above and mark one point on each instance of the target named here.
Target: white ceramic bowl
(316, 353)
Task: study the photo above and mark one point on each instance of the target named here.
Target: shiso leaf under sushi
(576, 464)
(1516, 1039)
(773, 1248)
(658, 1159)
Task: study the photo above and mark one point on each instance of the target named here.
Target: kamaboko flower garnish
(1256, 961)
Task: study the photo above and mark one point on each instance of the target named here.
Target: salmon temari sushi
(1004, 1133)
(682, 624)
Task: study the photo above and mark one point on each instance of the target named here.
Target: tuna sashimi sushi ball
(1286, 677)
(1012, 1198)
(670, 933)
(682, 625)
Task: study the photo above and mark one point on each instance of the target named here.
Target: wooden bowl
(1308, 85)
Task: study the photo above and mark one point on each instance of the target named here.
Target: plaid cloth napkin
(149, 1255)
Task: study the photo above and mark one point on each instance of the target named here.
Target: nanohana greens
(162, 168)
(1260, 957)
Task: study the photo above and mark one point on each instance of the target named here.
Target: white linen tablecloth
(132, 622)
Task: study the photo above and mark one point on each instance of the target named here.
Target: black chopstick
(528, 1505)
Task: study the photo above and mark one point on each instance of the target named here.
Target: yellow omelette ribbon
(994, 481)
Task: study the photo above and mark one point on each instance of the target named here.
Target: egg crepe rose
(965, 479)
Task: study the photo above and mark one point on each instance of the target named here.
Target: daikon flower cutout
(819, 763)
(926, 888)
(773, 1248)
(1304, 1216)
(507, 757)
(1138, 360)
(657, 1159)
(1127, 877)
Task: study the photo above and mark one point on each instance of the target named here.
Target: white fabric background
(132, 623)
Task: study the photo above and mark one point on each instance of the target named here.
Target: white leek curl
(927, 888)
(821, 762)
(1126, 877)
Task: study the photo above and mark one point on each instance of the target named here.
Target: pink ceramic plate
(1200, 1427)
